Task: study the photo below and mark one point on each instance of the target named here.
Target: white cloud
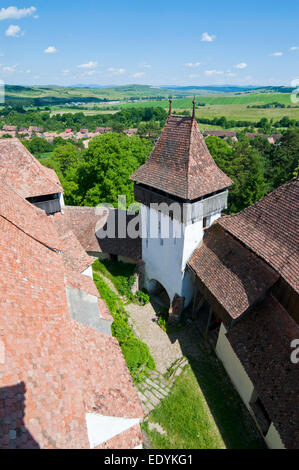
(14, 31)
(50, 50)
(276, 54)
(209, 73)
(138, 74)
(190, 64)
(144, 65)
(9, 69)
(116, 71)
(205, 37)
(230, 74)
(16, 13)
(194, 75)
(65, 71)
(242, 65)
(89, 65)
(294, 48)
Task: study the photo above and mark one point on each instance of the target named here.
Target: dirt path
(165, 349)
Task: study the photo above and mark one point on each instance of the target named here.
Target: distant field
(230, 102)
(232, 106)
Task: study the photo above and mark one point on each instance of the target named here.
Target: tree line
(102, 172)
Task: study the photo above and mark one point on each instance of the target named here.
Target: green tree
(67, 157)
(247, 173)
(105, 171)
(285, 158)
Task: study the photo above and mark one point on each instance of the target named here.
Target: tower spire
(194, 104)
(170, 107)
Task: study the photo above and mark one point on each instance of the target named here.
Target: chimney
(170, 107)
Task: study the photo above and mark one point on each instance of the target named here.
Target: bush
(136, 353)
(138, 358)
(163, 317)
(141, 298)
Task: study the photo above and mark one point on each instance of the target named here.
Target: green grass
(203, 411)
(122, 276)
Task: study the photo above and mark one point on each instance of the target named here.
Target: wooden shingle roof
(181, 164)
(270, 228)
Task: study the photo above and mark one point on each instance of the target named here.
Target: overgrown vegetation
(136, 353)
(122, 275)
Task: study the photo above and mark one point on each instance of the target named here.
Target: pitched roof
(265, 354)
(236, 277)
(181, 164)
(217, 133)
(31, 220)
(88, 223)
(119, 242)
(74, 256)
(84, 222)
(55, 370)
(24, 172)
(270, 228)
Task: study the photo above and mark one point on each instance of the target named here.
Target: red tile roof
(74, 256)
(236, 277)
(31, 220)
(217, 133)
(270, 228)
(83, 221)
(181, 164)
(79, 281)
(24, 173)
(86, 222)
(262, 341)
(55, 370)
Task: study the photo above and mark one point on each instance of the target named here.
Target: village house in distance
(64, 381)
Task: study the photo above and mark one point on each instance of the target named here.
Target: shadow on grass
(232, 418)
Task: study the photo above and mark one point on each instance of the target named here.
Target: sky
(149, 42)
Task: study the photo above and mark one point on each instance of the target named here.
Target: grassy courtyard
(203, 411)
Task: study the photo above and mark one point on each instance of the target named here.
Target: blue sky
(149, 42)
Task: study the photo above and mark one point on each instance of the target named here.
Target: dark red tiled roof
(235, 276)
(262, 341)
(270, 228)
(24, 173)
(181, 164)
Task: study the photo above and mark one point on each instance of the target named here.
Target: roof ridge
(189, 157)
(35, 160)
